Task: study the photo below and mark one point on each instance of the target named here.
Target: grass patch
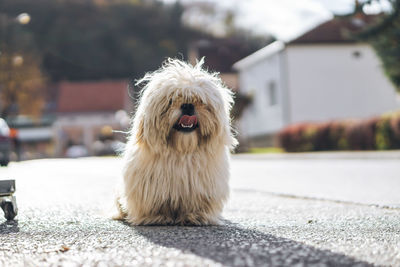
(263, 150)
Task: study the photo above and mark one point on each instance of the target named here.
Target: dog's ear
(233, 143)
(230, 137)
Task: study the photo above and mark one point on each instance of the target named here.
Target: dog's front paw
(151, 220)
(119, 211)
(118, 216)
(196, 219)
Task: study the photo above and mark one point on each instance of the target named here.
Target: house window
(272, 94)
(356, 54)
(253, 104)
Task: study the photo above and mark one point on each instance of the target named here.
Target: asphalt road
(282, 212)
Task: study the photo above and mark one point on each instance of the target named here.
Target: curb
(340, 155)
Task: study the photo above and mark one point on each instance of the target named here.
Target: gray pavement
(359, 177)
(282, 212)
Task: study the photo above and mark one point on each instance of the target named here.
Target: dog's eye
(170, 102)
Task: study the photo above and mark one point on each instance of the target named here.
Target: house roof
(92, 96)
(333, 31)
(265, 52)
(221, 53)
(336, 30)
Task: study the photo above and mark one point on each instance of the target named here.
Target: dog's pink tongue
(188, 120)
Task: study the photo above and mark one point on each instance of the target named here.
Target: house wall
(336, 81)
(81, 128)
(261, 118)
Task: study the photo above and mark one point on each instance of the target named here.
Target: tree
(21, 85)
(384, 36)
(113, 39)
(21, 78)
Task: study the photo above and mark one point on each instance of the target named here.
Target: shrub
(360, 135)
(375, 133)
(383, 133)
(297, 137)
(395, 130)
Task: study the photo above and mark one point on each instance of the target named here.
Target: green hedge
(380, 133)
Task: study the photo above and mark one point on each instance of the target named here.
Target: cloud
(284, 19)
(338, 6)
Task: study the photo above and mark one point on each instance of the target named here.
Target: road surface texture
(283, 211)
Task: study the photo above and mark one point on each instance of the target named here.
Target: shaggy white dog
(176, 161)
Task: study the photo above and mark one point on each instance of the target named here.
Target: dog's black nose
(187, 109)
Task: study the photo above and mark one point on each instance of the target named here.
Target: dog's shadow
(232, 245)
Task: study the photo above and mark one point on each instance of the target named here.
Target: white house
(319, 76)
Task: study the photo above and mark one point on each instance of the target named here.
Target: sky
(285, 19)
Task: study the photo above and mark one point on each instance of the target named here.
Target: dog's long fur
(173, 177)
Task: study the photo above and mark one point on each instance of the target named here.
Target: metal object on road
(7, 200)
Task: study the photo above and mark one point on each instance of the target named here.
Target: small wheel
(10, 211)
(4, 163)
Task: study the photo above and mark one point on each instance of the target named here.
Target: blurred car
(76, 151)
(108, 148)
(5, 143)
